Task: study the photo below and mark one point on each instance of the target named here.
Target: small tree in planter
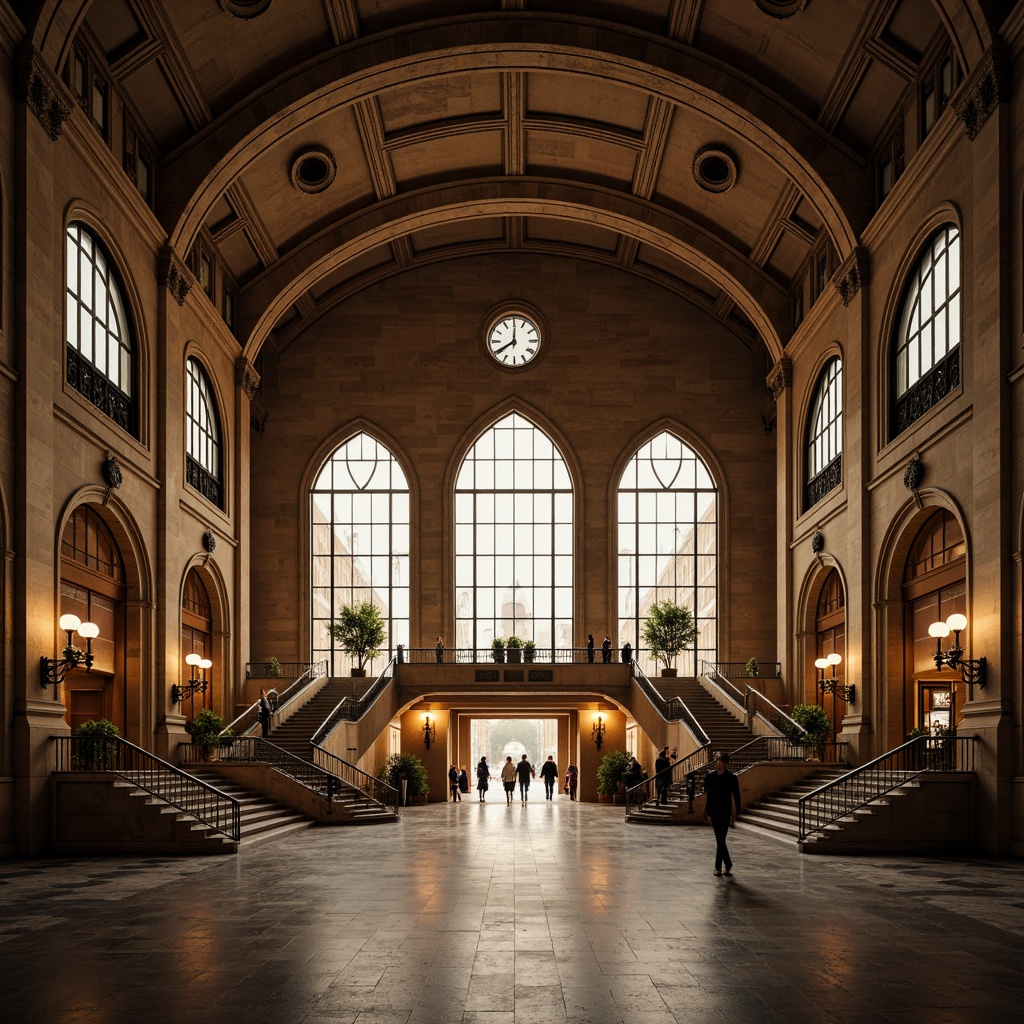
(409, 767)
(274, 671)
(611, 771)
(207, 731)
(359, 631)
(753, 668)
(817, 726)
(529, 651)
(669, 629)
(97, 745)
(498, 649)
(514, 649)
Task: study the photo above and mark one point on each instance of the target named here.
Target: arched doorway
(830, 638)
(93, 587)
(934, 587)
(196, 638)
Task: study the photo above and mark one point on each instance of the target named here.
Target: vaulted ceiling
(320, 146)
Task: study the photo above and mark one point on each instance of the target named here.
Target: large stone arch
(224, 674)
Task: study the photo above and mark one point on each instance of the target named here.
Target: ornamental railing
(738, 669)
(369, 785)
(856, 789)
(682, 772)
(938, 382)
(673, 709)
(511, 656)
(750, 701)
(190, 795)
(250, 718)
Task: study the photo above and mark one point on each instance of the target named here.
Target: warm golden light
(69, 622)
(89, 630)
(834, 658)
(938, 630)
(192, 659)
(957, 622)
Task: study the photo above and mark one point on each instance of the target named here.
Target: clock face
(514, 340)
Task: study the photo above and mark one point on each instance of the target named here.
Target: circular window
(313, 170)
(244, 9)
(781, 8)
(714, 169)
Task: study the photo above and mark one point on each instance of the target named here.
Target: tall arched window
(926, 357)
(202, 459)
(668, 543)
(100, 346)
(196, 636)
(514, 539)
(825, 435)
(830, 630)
(359, 550)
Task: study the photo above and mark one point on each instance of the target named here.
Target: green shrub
(406, 766)
(753, 667)
(498, 648)
(815, 722)
(97, 745)
(359, 631)
(207, 730)
(668, 629)
(611, 770)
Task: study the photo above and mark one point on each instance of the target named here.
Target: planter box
(514, 655)
(669, 673)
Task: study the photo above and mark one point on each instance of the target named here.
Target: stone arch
(141, 703)
(314, 465)
(223, 676)
(889, 605)
(805, 678)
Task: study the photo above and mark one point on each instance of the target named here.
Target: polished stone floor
(475, 913)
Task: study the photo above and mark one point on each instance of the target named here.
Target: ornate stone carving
(175, 276)
(914, 473)
(852, 273)
(246, 377)
(209, 542)
(112, 475)
(817, 542)
(780, 378)
(981, 95)
(42, 91)
(781, 8)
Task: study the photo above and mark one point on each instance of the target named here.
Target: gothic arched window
(203, 454)
(825, 435)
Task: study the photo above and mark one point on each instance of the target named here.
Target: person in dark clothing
(463, 780)
(525, 772)
(627, 653)
(722, 789)
(661, 777)
(453, 783)
(265, 712)
(483, 778)
(440, 650)
(634, 773)
(590, 648)
(606, 650)
(549, 772)
(572, 778)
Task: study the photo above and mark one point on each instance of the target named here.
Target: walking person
(463, 780)
(590, 648)
(525, 772)
(627, 653)
(508, 779)
(722, 789)
(483, 777)
(572, 778)
(662, 764)
(606, 650)
(440, 650)
(453, 784)
(265, 711)
(549, 772)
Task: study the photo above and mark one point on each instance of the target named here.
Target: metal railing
(341, 712)
(370, 786)
(189, 795)
(751, 701)
(673, 709)
(682, 772)
(254, 749)
(738, 669)
(857, 788)
(511, 656)
(275, 670)
(357, 708)
(249, 719)
(759, 704)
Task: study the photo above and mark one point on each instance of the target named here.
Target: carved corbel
(246, 377)
(851, 275)
(42, 91)
(982, 92)
(780, 378)
(175, 276)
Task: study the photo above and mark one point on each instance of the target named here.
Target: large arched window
(202, 459)
(668, 543)
(359, 550)
(514, 539)
(825, 435)
(196, 636)
(926, 357)
(100, 347)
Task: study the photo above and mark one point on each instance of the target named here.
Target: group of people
(606, 650)
(520, 772)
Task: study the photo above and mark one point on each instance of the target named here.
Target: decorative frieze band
(981, 93)
(780, 378)
(851, 275)
(42, 91)
(246, 377)
(175, 275)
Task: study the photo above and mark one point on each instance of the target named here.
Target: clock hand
(508, 344)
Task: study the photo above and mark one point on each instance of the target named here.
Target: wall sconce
(597, 732)
(847, 693)
(53, 670)
(194, 685)
(429, 731)
(971, 671)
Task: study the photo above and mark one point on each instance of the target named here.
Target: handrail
(781, 722)
(738, 669)
(272, 670)
(188, 794)
(721, 682)
(339, 713)
(373, 691)
(248, 720)
(369, 785)
(251, 749)
(679, 771)
(841, 797)
(485, 655)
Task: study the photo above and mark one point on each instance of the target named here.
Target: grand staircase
(294, 734)
(724, 730)
(261, 818)
(777, 815)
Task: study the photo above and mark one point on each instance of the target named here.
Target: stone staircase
(777, 816)
(294, 734)
(724, 730)
(261, 818)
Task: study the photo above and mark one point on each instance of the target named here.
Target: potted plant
(514, 649)
(274, 672)
(359, 631)
(816, 725)
(97, 745)
(207, 731)
(610, 773)
(498, 649)
(407, 773)
(669, 629)
(529, 651)
(753, 668)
